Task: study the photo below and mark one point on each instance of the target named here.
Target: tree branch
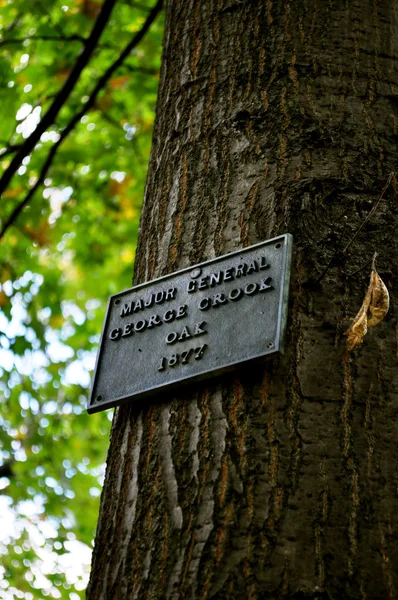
(109, 119)
(54, 38)
(14, 23)
(136, 5)
(76, 119)
(60, 99)
(6, 469)
(9, 149)
(145, 70)
(42, 7)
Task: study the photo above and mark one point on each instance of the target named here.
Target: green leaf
(70, 248)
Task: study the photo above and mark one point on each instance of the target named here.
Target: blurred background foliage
(70, 243)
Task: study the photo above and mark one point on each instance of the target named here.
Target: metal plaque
(194, 323)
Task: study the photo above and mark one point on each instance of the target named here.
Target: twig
(371, 212)
(145, 70)
(136, 5)
(109, 119)
(372, 260)
(10, 149)
(343, 252)
(14, 23)
(43, 8)
(53, 38)
(62, 96)
(76, 119)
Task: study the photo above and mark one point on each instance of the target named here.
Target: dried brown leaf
(380, 300)
(359, 327)
(374, 308)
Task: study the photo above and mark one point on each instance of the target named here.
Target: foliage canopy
(69, 221)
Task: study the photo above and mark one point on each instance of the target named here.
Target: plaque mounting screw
(278, 245)
(98, 398)
(195, 273)
(117, 301)
(270, 345)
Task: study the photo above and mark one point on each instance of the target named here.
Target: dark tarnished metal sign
(194, 323)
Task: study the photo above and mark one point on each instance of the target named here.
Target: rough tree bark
(282, 481)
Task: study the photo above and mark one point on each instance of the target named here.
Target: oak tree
(279, 481)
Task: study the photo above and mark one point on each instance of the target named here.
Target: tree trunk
(279, 481)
